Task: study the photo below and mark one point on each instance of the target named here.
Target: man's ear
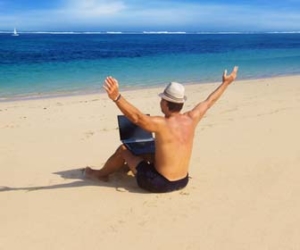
(167, 105)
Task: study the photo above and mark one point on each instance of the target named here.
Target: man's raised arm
(132, 113)
(198, 112)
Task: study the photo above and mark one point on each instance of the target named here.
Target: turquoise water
(38, 65)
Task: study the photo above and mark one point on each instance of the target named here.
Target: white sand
(244, 192)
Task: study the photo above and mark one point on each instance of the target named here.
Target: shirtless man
(174, 133)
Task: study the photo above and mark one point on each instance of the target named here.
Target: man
(174, 134)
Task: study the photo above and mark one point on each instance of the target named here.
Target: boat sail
(15, 32)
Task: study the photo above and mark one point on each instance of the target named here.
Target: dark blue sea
(34, 65)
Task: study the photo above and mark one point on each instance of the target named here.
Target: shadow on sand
(120, 181)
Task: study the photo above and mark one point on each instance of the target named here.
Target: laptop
(135, 139)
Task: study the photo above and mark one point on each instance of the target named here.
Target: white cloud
(90, 9)
(136, 14)
(183, 15)
(70, 14)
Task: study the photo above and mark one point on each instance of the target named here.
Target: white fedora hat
(174, 92)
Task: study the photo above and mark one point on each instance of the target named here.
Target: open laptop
(135, 139)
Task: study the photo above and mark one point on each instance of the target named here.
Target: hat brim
(163, 96)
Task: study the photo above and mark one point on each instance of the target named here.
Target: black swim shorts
(149, 179)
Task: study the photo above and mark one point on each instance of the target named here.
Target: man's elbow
(209, 103)
(137, 119)
(206, 105)
(134, 119)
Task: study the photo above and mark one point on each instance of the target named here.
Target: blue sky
(150, 15)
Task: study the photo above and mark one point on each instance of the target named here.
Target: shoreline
(78, 93)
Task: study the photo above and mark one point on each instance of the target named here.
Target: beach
(243, 192)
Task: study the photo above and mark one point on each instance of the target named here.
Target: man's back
(173, 142)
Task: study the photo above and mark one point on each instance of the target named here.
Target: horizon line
(150, 32)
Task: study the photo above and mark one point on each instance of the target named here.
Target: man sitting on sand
(174, 134)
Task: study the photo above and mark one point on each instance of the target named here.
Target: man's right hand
(112, 87)
(230, 78)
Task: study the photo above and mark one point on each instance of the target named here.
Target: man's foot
(92, 174)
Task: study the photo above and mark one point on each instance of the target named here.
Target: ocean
(37, 65)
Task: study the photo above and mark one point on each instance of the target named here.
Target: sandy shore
(244, 192)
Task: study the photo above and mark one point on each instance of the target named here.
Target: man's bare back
(174, 142)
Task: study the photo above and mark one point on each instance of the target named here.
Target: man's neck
(172, 114)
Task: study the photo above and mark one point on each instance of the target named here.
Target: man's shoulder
(198, 111)
(158, 119)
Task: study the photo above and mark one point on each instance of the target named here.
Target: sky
(150, 15)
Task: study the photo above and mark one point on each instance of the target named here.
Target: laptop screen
(130, 131)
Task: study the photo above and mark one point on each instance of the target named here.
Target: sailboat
(15, 32)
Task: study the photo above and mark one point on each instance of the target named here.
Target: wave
(283, 32)
(164, 32)
(114, 32)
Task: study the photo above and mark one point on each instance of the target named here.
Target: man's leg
(115, 162)
(132, 160)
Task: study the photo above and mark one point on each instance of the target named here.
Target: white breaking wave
(164, 32)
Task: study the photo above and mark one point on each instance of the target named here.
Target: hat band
(173, 97)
